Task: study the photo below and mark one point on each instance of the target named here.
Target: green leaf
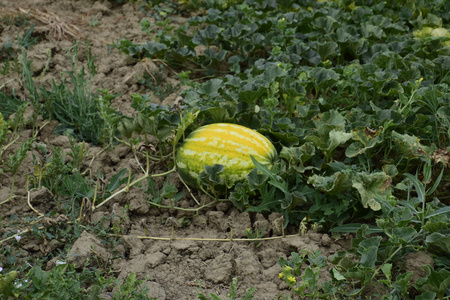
(402, 216)
(211, 174)
(268, 203)
(211, 87)
(438, 241)
(365, 140)
(337, 275)
(436, 281)
(327, 143)
(327, 121)
(402, 283)
(298, 156)
(272, 72)
(207, 36)
(187, 120)
(311, 278)
(361, 273)
(436, 182)
(7, 283)
(202, 297)
(337, 138)
(15, 160)
(275, 180)
(352, 228)
(334, 184)
(154, 48)
(240, 196)
(403, 235)
(116, 181)
(443, 210)
(390, 170)
(386, 269)
(437, 224)
(420, 188)
(327, 50)
(368, 248)
(219, 115)
(9, 105)
(256, 180)
(426, 296)
(410, 146)
(251, 96)
(324, 78)
(372, 187)
(329, 132)
(169, 191)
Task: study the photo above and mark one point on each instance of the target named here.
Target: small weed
(167, 192)
(52, 171)
(82, 114)
(26, 41)
(9, 66)
(15, 19)
(78, 151)
(27, 75)
(14, 162)
(132, 289)
(155, 82)
(21, 42)
(64, 281)
(232, 295)
(11, 129)
(257, 234)
(94, 22)
(47, 63)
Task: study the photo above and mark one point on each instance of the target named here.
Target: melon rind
(226, 144)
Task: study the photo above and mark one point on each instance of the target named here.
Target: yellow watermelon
(226, 144)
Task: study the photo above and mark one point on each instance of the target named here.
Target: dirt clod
(414, 262)
(220, 269)
(86, 247)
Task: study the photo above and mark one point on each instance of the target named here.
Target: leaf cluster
(65, 281)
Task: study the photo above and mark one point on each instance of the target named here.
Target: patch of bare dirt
(175, 266)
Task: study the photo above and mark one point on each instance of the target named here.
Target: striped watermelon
(225, 144)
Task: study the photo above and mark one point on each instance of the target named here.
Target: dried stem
(60, 27)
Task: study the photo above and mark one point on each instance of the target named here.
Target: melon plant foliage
(354, 96)
(349, 93)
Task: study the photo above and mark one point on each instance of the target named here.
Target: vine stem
(31, 206)
(6, 201)
(230, 239)
(130, 184)
(184, 209)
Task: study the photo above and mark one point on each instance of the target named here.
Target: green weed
(64, 280)
(232, 295)
(81, 113)
(13, 163)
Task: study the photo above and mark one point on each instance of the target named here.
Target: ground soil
(172, 269)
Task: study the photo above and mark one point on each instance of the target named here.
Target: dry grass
(59, 27)
(10, 16)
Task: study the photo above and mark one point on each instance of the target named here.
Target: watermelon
(225, 144)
